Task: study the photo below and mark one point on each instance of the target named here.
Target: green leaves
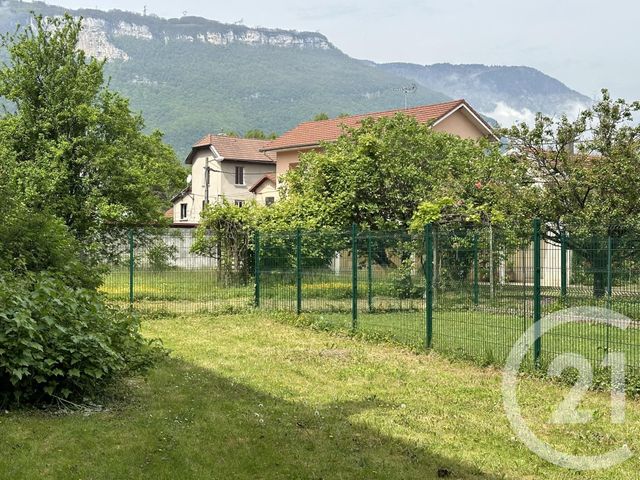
(82, 347)
(584, 171)
(80, 154)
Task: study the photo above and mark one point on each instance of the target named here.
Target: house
(456, 117)
(265, 190)
(222, 167)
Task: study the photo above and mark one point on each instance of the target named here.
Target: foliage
(81, 153)
(584, 172)
(161, 255)
(259, 135)
(61, 341)
(75, 168)
(378, 174)
(225, 233)
(585, 169)
(320, 116)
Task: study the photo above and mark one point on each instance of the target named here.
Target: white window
(239, 203)
(268, 201)
(239, 175)
(183, 211)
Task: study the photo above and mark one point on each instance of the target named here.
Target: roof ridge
(454, 103)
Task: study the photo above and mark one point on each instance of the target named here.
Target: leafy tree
(320, 116)
(378, 174)
(75, 165)
(80, 154)
(585, 172)
(260, 135)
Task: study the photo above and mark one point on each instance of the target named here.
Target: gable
(460, 123)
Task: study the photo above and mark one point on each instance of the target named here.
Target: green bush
(61, 341)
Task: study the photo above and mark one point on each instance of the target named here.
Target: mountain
(504, 93)
(191, 76)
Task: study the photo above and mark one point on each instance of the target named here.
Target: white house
(222, 167)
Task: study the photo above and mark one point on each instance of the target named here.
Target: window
(268, 201)
(239, 175)
(239, 203)
(183, 211)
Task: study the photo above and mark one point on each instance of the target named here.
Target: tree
(585, 175)
(320, 116)
(378, 174)
(80, 153)
(259, 135)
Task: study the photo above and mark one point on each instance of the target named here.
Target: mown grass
(250, 397)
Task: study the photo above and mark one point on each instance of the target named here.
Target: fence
(472, 292)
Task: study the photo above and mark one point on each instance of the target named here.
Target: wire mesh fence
(471, 292)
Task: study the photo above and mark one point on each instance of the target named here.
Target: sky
(586, 44)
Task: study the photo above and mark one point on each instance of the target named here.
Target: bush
(61, 341)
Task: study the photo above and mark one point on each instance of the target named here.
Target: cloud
(507, 116)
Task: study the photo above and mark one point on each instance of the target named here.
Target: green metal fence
(470, 292)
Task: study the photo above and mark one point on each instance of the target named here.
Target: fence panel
(483, 284)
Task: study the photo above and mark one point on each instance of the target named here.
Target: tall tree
(80, 153)
(585, 172)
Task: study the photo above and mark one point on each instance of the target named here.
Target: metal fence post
(537, 302)
(609, 268)
(369, 273)
(354, 276)
(609, 285)
(298, 271)
(131, 267)
(476, 273)
(428, 314)
(563, 266)
(256, 241)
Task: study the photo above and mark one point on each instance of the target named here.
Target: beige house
(265, 190)
(455, 117)
(222, 167)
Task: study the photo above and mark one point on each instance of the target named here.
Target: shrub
(161, 255)
(61, 341)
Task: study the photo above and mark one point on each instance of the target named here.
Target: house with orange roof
(223, 167)
(456, 117)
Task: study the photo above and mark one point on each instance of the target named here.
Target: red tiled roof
(269, 176)
(314, 132)
(231, 148)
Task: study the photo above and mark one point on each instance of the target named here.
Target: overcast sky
(587, 44)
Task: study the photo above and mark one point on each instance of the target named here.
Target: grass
(249, 397)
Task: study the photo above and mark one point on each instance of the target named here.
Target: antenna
(411, 88)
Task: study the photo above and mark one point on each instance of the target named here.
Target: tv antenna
(406, 90)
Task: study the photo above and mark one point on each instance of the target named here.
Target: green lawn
(248, 397)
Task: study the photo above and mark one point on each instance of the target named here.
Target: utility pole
(206, 181)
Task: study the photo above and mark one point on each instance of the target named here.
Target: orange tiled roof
(312, 133)
(231, 148)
